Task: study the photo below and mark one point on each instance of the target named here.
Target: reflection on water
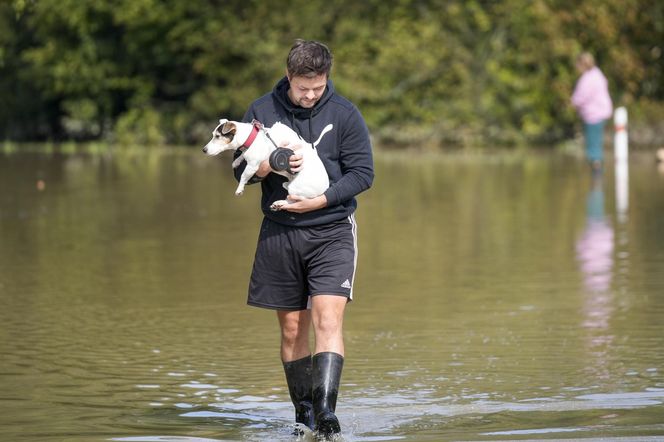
(595, 251)
(595, 254)
(497, 298)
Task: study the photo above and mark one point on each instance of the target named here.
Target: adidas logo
(346, 284)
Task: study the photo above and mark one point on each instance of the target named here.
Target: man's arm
(303, 205)
(356, 161)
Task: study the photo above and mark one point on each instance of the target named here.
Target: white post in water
(620, 138)
(622, 171)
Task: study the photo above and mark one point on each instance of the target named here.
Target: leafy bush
(423, 72)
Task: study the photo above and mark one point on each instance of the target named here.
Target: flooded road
(498, 297)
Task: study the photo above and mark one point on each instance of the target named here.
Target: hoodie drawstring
(311, 132)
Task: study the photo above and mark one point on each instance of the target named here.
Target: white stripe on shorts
(351, 219)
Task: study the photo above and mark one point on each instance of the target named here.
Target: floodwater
(499, 297)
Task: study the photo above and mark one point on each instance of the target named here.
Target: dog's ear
(227, 128)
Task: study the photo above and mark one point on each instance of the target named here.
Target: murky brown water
(498, 297)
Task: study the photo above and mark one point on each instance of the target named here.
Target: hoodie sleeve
(356, 161)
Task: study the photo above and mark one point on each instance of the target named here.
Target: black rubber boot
(298, 377)
(327, 368)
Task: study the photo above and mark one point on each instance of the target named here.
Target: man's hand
(302, 205)
(295, 161)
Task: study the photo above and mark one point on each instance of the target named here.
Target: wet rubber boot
(298, 378)
(327, 368)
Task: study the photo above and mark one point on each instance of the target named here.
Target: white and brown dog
(258, 143)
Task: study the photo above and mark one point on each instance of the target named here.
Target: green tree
(424, 72)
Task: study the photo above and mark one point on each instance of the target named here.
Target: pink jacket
(591, 97)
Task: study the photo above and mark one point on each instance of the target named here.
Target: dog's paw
(239, 192)
(278, 205)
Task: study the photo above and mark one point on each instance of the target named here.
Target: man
(306, 254)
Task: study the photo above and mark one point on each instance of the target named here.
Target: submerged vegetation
(428, 73)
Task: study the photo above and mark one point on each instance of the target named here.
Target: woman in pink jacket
(593, 103)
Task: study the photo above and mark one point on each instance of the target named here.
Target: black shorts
(294, 263)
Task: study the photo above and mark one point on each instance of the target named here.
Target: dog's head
(225, 137)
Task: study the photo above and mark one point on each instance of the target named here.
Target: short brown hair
(309, 58)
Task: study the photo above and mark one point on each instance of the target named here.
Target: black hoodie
(345, 152)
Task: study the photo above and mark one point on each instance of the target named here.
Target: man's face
(305, 92)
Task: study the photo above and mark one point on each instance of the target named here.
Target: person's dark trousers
(298, 377)
(327, 368)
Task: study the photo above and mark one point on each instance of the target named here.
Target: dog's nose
(205, 149)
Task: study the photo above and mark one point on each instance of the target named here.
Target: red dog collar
(257, 125)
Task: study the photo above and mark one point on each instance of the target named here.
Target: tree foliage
(438, 72)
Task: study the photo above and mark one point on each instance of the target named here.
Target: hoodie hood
(281, 93)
